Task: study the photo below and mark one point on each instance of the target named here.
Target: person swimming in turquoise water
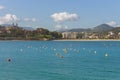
(9, 60)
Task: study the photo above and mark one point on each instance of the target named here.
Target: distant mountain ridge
(99, 28)
(102, 27)
(79, 30)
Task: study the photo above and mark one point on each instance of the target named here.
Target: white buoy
(65, 50)
(106, 55)
(56, 54)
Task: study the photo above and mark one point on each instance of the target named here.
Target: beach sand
(87, 40)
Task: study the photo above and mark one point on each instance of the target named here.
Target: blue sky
(60, 14)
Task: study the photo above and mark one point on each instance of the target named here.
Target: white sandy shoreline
(87, 40)
(69, 40)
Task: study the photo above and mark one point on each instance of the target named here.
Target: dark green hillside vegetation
(13, 32)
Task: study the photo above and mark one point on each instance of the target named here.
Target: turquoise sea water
(56, 60)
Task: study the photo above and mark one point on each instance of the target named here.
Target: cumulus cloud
(112, 23)
(12, 18)
(64, 16)
(1, 7)
(8, 18)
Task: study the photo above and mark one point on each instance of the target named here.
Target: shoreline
(67, 40)
(87, 40)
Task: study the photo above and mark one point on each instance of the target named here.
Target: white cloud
(64, 16)
(112, 23)
(1, 7)
(8, 18)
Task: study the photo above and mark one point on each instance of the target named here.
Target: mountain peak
(102, 27)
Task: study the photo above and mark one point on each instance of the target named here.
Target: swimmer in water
(9, 60)
(61, 56)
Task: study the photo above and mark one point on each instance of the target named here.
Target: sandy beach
(87, 40)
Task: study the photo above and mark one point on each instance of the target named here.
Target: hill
(79, 30)
(116, 30)
(102, 27)
(99, 28)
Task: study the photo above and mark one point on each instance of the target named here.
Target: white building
(69, 35)
(110, 33)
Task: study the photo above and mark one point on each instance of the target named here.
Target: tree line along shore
(15, 32)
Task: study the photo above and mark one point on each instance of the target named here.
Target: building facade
(69, 35)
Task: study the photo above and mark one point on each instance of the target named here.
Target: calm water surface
(55, 60)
